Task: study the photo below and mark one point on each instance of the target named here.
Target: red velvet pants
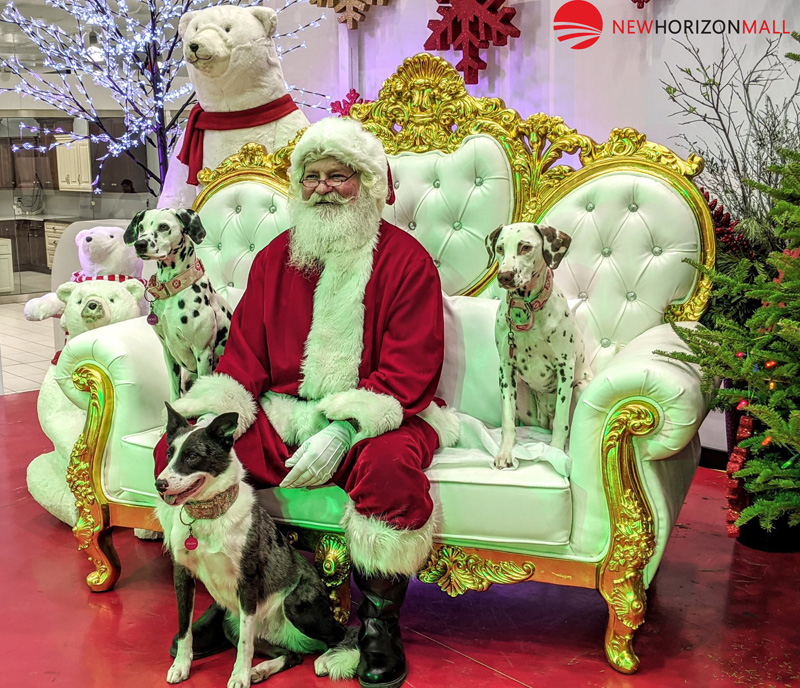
(382, 475)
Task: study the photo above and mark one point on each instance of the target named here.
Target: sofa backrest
(461, 166)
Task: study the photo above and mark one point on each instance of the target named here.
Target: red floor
(719, 614)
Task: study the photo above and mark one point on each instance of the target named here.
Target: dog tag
(190, 543)
(152, 319)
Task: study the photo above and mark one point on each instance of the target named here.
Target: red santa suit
(311, 355)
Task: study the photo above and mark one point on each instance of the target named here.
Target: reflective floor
(719, 614)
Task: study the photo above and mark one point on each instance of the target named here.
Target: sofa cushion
(475, 504)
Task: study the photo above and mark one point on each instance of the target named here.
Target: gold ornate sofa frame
(425, 107)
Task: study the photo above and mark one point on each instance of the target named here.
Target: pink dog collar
(522, 310)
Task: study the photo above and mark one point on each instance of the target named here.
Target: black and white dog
(217, 531)
(536, 335)
(189, 317)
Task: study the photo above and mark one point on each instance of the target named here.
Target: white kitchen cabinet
(74, 165)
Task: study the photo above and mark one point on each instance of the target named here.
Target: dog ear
(222, 429)
(491, 245)
(184, 22)
(555, 244)
(175, 421)
(267, 16)
(132, 232)
(191, 223)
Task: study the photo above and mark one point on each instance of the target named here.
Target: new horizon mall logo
(579, 24)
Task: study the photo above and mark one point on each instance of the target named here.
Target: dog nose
(194, 47)
(140, 245)
(506, 278)
(161, 486)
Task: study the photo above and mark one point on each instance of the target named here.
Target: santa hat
(347, 141)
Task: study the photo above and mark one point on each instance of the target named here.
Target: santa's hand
(319, 456)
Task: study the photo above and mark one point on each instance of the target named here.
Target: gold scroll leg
(632, 532)
(333, 564)
(93, 531)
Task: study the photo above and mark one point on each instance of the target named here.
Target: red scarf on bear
(199, 120)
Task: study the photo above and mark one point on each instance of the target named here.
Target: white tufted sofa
(461, 167)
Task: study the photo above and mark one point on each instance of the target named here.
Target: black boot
(383, 662)
(208, 634)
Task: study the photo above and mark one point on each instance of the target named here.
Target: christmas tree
(761, 358)
(132, 53)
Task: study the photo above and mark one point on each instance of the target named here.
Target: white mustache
(332, 197)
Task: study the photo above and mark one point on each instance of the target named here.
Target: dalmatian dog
(190, 318)
(537, 338)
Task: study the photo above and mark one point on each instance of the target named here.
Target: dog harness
(208, 509)
(163, 290)
(199, 120)
(522, 311)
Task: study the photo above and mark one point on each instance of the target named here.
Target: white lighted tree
(131, 51)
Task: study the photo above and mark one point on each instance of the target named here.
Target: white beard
(324, 230)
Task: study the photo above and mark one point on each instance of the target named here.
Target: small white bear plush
(88, 305)
(234, 67)
(102, 253)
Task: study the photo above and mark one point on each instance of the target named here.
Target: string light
(742, 404)
(767, 441)
(740, 354)
(770, 364)
(114, 50)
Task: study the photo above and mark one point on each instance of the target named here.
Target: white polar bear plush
(88, 305)
(234, 68)
(102, 253)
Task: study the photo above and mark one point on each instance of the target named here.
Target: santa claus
(332, 362)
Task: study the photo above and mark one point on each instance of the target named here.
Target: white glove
(319, 456)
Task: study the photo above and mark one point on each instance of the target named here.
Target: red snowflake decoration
(342, 107)
(470, 26)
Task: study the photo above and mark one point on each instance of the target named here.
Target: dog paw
(503, 460)
(239, 682)
(179, 671)
(321, 665)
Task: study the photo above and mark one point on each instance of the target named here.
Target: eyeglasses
(331, 182)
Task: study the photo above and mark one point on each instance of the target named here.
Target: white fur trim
(375, 413)
(346, 140)
(336, 339)
(218, 393)
(294, 420)
(376, 547)
(444, 421)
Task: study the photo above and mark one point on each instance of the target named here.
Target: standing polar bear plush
(241, 93)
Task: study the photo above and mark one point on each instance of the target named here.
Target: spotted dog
(189, 317)
(536, 335)
(218, 532)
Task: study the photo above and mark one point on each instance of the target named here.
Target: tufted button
(657, 250)
(219, 247)
(583, 296)
(631, 296)
(230, 284)
(396, 185)
(606, 252)
(273, 209)
(478, 181)
(590, 207)
(238, 209)
(456, 225)
(633, 207)
(437, 183)
(437, 262)
(605, 342)
(412, 226)
(252, 247)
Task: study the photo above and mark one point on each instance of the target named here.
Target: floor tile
(26, 371)
(17, 356)
(14, 383)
